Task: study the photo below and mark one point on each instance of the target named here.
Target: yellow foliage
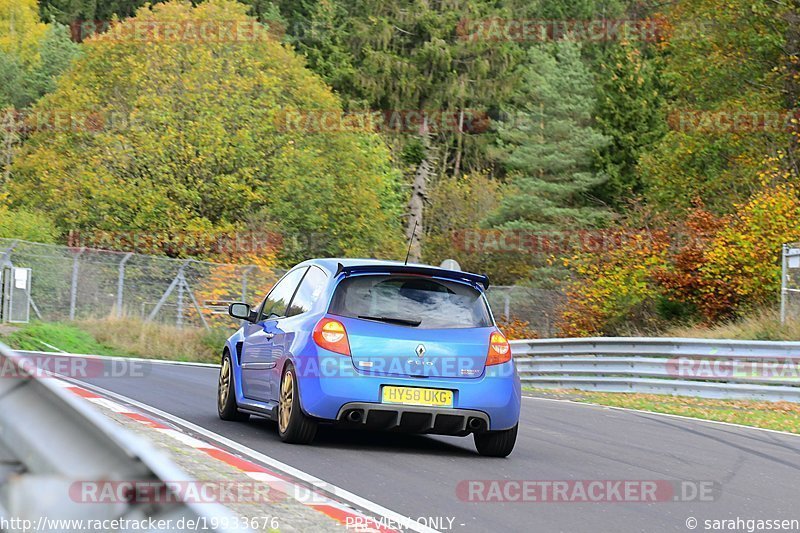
(20, 29)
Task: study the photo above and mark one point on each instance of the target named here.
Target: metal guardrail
(50, 439)
(755, 370)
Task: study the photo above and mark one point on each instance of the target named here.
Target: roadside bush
(615, 287)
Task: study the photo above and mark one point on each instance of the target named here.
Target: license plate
(417, 396)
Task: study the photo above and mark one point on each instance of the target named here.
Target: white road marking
(338, 492)
(119, 358)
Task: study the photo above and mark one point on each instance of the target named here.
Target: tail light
(331, 335)
(499, 349)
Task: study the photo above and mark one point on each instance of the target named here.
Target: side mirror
(240, 311)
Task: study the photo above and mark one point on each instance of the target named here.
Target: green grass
(66, 337)
(782, 416)
(119, 337)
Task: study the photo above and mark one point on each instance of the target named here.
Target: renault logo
(420, 350)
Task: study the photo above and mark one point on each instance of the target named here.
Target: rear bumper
(324, 394)
(413, 419)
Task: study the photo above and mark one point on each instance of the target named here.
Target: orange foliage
(515, 328)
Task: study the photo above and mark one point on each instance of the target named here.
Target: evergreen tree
(408, 56)
(630, 111)
(547, 144)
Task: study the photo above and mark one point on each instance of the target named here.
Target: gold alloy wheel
(285, 406)
(224, 382)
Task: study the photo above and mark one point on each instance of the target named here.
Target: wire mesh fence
(69, 283)
(540, 308)
(790, 282)
(74, 283)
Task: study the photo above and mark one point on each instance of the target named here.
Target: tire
(226, 396)
(496, 443)
(293, 425)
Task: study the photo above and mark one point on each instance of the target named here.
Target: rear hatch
(390, 350)
(405, 325)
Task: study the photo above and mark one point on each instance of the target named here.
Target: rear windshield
(411, 301)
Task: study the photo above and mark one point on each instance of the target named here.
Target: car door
(295, 320)
(263, 339)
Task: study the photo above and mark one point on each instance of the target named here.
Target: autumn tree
(410, 56)
(185, 134)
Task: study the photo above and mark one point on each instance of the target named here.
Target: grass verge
(159, 341)
(782, 416)
(49, 336)
(763, 325)
(119, 337)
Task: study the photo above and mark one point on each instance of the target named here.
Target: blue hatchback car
(373, 344)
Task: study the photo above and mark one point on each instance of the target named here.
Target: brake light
(499, 349)
(331, 335)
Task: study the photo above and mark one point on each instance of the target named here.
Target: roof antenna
(411, 241)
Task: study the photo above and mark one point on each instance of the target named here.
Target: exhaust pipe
(355, 416)
(475, 423)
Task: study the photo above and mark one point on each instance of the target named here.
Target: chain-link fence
(79, 283)
(790, 282)
(69, 283)
(539, 307)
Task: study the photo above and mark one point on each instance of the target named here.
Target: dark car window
(413, 301)
(309, 291)
(278, 299)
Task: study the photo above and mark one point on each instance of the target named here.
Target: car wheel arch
(286, 363)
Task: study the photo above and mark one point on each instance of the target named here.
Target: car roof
(332, 265)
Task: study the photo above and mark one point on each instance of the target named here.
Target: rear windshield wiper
(392, 320)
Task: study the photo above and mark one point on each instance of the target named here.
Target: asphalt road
(757, 472)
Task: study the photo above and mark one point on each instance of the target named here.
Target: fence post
(784, 287)
(73, 295)
(181, 282)
(5, 260)
(164, 297)
(244, 282)
(121, 282)
(196, 305)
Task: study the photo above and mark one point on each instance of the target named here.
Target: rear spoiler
(478, 279)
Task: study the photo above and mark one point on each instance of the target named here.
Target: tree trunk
(459, 144)
(10, 127)
(416, 204)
